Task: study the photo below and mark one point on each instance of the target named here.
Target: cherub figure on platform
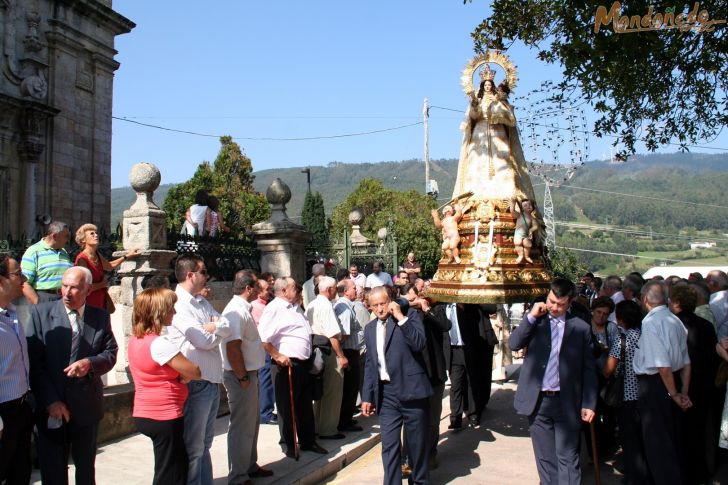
(526, 226)
(451, 215)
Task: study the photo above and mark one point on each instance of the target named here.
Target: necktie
(75, 333)
(553, 378)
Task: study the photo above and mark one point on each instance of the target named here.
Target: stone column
(144, 228)
(282, 242)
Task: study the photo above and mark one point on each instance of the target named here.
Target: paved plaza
(499, 452)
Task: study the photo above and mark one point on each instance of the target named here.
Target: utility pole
(548, 217)
(425, 117)
(307, 171)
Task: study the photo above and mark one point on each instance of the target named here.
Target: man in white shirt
(718, 285)
(662, 366)
(379, 277)
(613, 289)
(309, 292)
(358, 278)
(321, 316)
(197, 330)
(286, 336)
(353, 334)
(243, 356)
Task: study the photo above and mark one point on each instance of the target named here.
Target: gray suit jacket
(577, 367)
(49, 351)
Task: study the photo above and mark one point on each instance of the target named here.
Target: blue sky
(297, 69)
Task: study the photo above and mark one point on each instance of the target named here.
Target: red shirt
(159, 394)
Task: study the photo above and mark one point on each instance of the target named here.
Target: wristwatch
(245, 378)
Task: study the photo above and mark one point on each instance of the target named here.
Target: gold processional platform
(488, 272)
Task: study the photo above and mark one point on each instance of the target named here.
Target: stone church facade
(56, 87)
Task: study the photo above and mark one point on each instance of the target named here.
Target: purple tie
(552, 379)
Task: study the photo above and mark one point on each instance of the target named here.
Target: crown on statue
(487, 74)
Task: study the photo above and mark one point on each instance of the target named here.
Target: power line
(647, 197)
(620, 254)
(362, 133)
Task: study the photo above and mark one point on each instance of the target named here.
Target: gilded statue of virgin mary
(492, 165)
(494, 253)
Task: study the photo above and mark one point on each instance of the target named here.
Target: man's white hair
(326, 282)
(86, 273)
(318, 269)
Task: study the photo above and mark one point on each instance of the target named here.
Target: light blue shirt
(451, 312)
(551, 380)
(13, 356)
(663, 343)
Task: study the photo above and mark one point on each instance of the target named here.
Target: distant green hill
(692, 177)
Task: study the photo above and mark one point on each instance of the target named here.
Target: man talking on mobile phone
(557, 388)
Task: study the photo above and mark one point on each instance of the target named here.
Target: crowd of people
(644, 368)
(641, 364)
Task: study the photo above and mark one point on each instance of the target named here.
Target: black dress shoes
(337, 436)
(261, 472)
(315, 448)
(455, 425)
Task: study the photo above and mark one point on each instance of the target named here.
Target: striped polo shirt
(44, 266)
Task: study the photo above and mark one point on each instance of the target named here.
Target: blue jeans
(267, 397)
(200, 414)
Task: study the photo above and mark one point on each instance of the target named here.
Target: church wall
(56, 126)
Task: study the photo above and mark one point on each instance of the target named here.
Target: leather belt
(15, 402)
(550, 393)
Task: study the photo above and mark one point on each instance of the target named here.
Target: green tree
(230, 179)
(313, 217)
(565, 264)
(663, 85)
(408, 211)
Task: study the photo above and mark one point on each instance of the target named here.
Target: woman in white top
(197, 218)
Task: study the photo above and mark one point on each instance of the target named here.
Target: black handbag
(613, 391)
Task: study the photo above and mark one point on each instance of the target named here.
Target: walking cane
(293, 413)
(595, 455)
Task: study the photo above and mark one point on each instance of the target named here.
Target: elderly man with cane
(286, 336)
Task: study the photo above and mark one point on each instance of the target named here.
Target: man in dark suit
(396, 385)
(70, 345)
(558, 383)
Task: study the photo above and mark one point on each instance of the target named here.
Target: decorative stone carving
(144, 228)
(282, 242)
(144, 221)
(26, 69)
(356, 218)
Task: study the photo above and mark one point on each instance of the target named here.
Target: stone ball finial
(382, 233)
(356, 217)
(278, 192)
(144, 177)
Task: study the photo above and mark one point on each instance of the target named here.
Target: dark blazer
(403, 352)
(436, 327)
(49, 351)
(476, 331)
(704, 360)
(577, 368)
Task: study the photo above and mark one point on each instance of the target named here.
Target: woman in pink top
(160, 373)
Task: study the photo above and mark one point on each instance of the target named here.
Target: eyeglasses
(203, 272)
(16, 273)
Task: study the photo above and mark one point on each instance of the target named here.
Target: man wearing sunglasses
(197, 329)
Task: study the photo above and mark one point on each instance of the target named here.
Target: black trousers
(15, 442)
(662, 431)
(555, 443)
(461, 392)
(170, 454)
(351, 387)
(630, 437)
(55, 445)
(302, 400)
(413, 415)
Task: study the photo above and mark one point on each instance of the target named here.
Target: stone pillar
(282, 242)
(144, 229)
